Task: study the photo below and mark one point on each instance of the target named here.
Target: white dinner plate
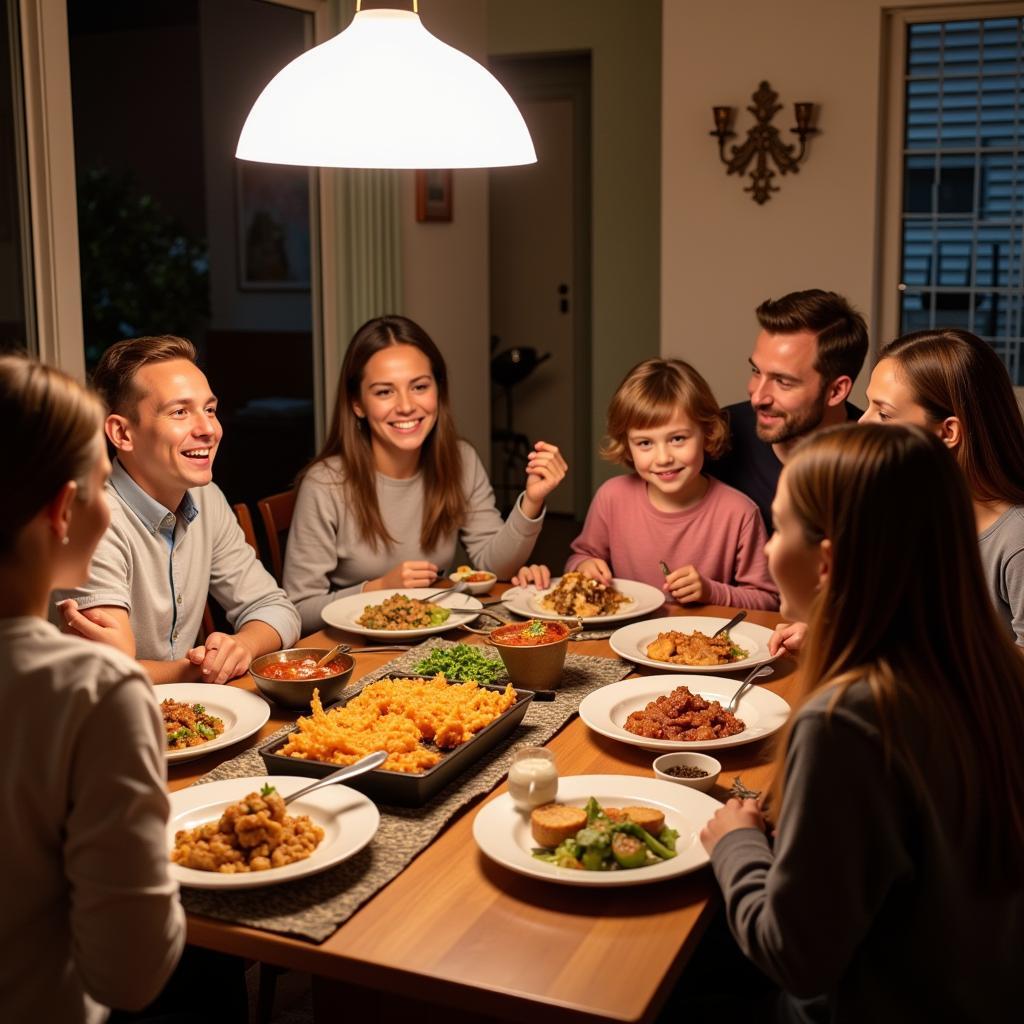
(243, 713)
(503, 833)
(343, 613)
(643, 598)
(605, 710)
(348, 818)
(630, 642)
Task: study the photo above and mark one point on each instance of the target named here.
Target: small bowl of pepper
(289, 677)
(688, 768)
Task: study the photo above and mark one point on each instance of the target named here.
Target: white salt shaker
(533, 778)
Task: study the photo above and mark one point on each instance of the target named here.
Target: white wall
(623, 39)
(722, 254)
(444, 265)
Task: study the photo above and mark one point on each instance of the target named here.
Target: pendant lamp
(385, 93)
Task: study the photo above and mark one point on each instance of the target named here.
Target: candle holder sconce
(763, 141)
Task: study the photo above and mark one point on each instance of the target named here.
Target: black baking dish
(406, 788)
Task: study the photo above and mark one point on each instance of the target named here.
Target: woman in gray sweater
(394, 488)
(895, 888)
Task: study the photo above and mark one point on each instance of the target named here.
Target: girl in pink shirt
(662, 421)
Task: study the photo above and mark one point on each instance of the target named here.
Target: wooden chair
(244, 517)
(276, 513)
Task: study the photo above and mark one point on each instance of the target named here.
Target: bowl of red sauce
(478, 581)
(290, 677)
(533, 651)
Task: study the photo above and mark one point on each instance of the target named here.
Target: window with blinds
(963, 183)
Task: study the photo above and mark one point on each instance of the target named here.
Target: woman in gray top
(953, 384)
(895, 888)
(394, 488)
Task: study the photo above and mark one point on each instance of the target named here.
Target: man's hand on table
(222, 658)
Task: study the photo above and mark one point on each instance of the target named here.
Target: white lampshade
(385, 93)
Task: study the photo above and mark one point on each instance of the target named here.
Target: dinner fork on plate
(440, 595)
(756, 672)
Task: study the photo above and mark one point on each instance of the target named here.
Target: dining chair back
(276, 513)
(244, 517)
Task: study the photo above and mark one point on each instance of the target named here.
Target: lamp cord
(415, 6)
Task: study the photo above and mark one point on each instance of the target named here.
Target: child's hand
(538, 575)
(687, 585)
(596, 569)
(788, 638)
(545, 470)
(735, 814)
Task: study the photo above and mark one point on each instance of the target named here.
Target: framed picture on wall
(273, 227)
(433, 195)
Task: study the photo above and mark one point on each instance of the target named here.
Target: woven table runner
(314, 907)
(503, 612)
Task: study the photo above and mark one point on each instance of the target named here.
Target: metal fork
(439, 595)
(756, 672)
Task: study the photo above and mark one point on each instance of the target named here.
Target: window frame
(46, 83)
(894, 57)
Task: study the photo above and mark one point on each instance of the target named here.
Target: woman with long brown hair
(953, 384)
(91, 917)
(895, 889)
(384, 502)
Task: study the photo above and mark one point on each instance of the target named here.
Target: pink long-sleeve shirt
(723, 536)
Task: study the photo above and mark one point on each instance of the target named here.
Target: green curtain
(368, 204)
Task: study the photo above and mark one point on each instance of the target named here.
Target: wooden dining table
(458, 935)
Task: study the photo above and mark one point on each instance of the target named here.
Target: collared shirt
(160, 565)
(160, 521)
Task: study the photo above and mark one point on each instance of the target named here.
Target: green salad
(604, 844)
(464, 662)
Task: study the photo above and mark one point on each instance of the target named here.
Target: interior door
(531, 273)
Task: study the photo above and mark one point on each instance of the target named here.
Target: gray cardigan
(867, 901)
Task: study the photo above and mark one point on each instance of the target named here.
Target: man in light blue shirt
(173, 538)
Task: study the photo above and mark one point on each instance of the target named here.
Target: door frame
(49, 130)
(556, 76)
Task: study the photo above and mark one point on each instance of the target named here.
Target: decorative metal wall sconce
(763, 141)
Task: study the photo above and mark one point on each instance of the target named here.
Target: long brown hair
(905, 608)
(955, 373)
(649, 396)
(55, 424)
(349, 438)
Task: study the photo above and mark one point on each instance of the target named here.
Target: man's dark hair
(841, 330)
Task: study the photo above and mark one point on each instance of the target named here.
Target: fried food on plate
(694, 648)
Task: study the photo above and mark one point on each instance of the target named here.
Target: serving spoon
(364, 764)
(332, 654)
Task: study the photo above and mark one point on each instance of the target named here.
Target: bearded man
(810, 349)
